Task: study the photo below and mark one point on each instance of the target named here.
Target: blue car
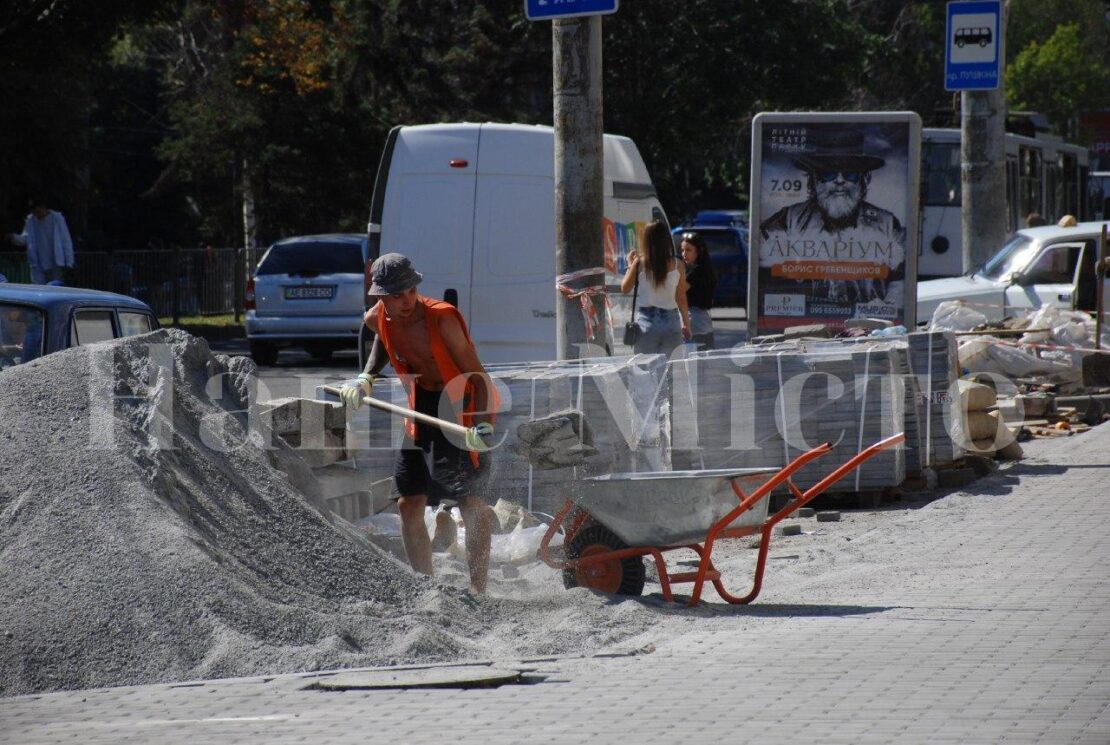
(726, 235)
(39, 319)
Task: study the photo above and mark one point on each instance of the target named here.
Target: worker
(428, 344)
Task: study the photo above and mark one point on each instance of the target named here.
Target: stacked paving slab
(936, 366)
(929, 362)
(762, 407)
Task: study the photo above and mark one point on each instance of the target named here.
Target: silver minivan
(308, 292)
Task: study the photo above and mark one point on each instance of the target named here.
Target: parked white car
(308, 292)
(1039, 266)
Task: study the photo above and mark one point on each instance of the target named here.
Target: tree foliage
(152, 116)
(1062, 73)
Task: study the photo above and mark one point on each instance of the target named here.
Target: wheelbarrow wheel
(616, 576)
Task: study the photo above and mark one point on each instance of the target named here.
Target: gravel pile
(124, 560)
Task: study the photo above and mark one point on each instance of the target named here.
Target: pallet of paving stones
(934, 367)
(732, 408)
(913, 398)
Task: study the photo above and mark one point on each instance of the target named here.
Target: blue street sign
(549, 10)
(973, 47)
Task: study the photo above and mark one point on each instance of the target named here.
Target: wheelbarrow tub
(670, 508)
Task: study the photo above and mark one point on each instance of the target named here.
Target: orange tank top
(458, 387)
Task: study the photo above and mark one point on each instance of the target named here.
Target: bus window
(1052, 196)
(1029, 194)
(1067, 186)
(940, 175)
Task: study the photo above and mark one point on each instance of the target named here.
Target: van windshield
(316, 257)
(1010, 258)
(723, 245)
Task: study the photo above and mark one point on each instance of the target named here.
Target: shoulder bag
(632, 329)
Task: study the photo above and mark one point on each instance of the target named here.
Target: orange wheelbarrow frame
(720, 529)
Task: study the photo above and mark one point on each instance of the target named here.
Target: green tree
(1036, 21)
(295, 98)
(905, 67)
(1059, 79)
(248, 91)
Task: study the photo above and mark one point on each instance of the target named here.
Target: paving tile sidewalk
(981, 617)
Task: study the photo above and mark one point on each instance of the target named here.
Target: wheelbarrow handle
(377, 403)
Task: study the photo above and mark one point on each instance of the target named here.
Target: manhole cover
(467, 676)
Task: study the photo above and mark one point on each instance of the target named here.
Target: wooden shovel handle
(377, 403)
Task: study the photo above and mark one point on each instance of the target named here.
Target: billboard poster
(834, 219)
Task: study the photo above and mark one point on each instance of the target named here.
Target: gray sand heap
(125, 561)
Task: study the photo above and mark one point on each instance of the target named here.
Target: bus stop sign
(973, 47)
(550, 10)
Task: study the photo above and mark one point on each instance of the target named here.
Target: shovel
(557, 440)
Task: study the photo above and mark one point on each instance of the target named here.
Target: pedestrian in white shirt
(49, 247)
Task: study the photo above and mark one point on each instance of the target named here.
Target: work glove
(352, 393)
(475, 434)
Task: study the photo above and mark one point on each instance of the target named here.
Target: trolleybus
(1043, 175)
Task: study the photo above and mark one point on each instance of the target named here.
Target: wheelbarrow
(615, 520)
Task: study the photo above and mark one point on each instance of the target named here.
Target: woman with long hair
(701, 282)
(660, 279)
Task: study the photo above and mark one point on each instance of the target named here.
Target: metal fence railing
(173, 282)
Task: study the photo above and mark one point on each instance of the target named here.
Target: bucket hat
(392, 274)
(837, 150)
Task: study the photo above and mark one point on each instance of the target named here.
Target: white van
(473, 206)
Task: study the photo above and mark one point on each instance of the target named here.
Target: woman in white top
(661, 310)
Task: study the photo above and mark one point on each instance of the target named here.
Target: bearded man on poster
(838, 174)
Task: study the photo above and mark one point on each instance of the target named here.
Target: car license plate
(310, 293)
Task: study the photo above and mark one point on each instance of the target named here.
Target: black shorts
(451, 475)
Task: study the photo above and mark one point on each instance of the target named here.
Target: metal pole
(983, 168)
(239, 272)
(1100, 280)
(175, 292)
(579, 241)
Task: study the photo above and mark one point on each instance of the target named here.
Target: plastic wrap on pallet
(762, 406)
(935, 414)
